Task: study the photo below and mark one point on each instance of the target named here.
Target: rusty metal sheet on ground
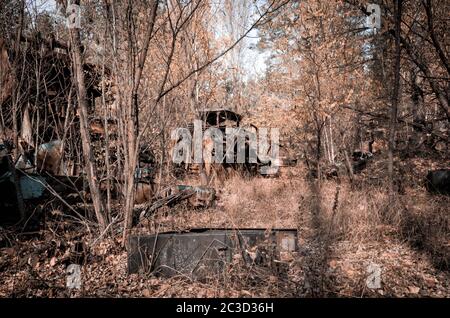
(32, 186)
(203, 251)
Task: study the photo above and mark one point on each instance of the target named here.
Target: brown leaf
(53, 261)
(146, 293)
(332, 264)
(413, 289)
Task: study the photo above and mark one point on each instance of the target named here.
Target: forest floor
(343, 232)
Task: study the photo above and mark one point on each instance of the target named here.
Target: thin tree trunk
(107, 156)
(132, 126)
(395, 96)
(88, 157)
(142, 58)
(15, 103)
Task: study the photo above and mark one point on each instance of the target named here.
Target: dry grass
(260, 202)
(329, 211)
(426, 226)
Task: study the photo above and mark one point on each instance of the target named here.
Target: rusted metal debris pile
(40, 144)
(197, 197)
(36, 173)
(222, 119)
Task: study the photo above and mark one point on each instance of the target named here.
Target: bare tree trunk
(15, 100)
(326, 146)
(416, 103)
(142, 58)
(107, 156)
(132, 125)
(88, 157)
(331, 141)
(395, 96)
(163, 145)
(349, 167)
(15, 106)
